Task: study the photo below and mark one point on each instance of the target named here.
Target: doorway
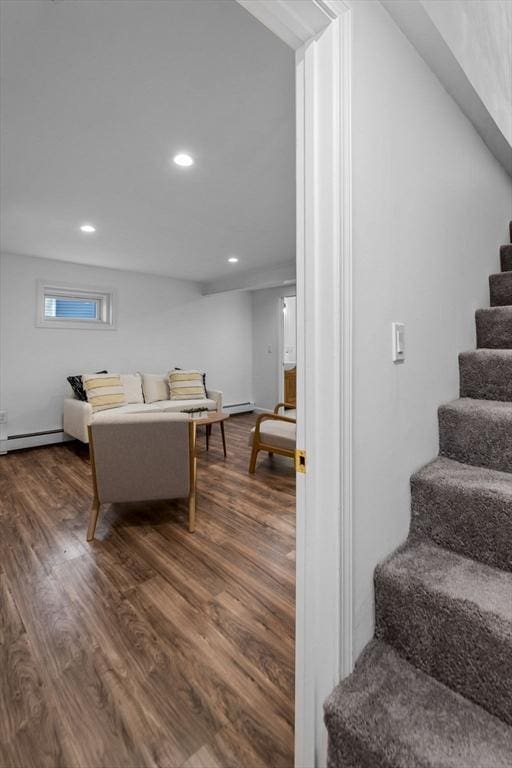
(288, 351)
(320, 32)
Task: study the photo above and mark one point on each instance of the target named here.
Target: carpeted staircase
(433, 689)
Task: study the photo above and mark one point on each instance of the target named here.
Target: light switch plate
(398, 342)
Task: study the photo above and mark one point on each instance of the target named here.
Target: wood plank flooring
(151, 646)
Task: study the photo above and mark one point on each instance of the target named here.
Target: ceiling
(98, 96)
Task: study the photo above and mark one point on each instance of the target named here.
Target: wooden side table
(215, 417)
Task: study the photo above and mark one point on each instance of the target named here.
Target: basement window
(74, 307)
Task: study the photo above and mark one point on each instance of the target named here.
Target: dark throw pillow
(77, 386)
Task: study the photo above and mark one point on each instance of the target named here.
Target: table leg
(208, 433)
(223, 438)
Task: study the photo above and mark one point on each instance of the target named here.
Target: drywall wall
(161, 323)
(479, 32)
(266, 324)
(431, 205)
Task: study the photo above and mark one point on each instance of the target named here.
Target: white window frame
(104, 296)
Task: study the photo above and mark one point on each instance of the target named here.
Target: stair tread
(500, 287)
(498, 311)
(388, 713)
(482, 479)
(464, 508)
(455, 577)
(492, 409)
(486, 374)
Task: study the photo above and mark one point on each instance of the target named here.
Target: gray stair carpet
(506, 258)
(477, 432)
(388, 714)
(464, 508)
(500, 286)
(459, 621)
(486, 374)
(494, 328)
(434, 688)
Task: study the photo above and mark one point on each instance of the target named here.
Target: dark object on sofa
(77, 386)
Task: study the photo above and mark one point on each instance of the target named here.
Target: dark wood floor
(152, 646)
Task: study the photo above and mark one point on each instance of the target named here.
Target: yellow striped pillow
(186, 385)
(104, 391)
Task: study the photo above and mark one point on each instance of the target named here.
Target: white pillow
(155, 387)
(132, 385)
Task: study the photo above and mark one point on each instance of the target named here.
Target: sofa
(145, 393)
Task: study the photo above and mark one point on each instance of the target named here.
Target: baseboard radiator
(53, 436)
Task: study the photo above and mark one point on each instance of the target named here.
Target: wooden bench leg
(93, 519)
(254, 456)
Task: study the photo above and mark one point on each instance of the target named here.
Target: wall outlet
(3, 417)
(398, 342)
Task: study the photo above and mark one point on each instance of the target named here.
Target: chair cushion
(279, 433)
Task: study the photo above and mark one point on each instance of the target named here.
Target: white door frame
(320, 33)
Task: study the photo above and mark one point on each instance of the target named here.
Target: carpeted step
(477, 432)
(464, 508)
(387, 714)
(494, 328)
(500, 287)
(451, 617)
(486, 374)
(506, 258)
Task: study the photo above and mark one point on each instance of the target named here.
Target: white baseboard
(239, 408)
(263, 410)
(33, 441)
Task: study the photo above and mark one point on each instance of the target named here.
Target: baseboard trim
(239, 408)
(18, 442)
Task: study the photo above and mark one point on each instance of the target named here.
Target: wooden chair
(142, 458)
(273, 433)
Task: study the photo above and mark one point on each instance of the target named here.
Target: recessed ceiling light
(232, 259)
(87, 228)
(184, 160)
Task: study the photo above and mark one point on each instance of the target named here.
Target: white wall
(431, 206)
(266, 321)
(479, 34)
(161, 323)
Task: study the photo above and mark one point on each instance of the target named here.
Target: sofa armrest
(215, 394)
(77, 415)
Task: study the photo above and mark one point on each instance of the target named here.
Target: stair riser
(346, 751)
(476, 439)
(486, 377)
(449, 640)
(494, 328)
(506, 258)
(500, 287)
(470, 521)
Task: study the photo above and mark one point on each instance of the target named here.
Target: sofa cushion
(104, 391)
(131, 408)
(132, 385)
(281, 434)
(155, 387)
(175, 406)
(186, 385)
